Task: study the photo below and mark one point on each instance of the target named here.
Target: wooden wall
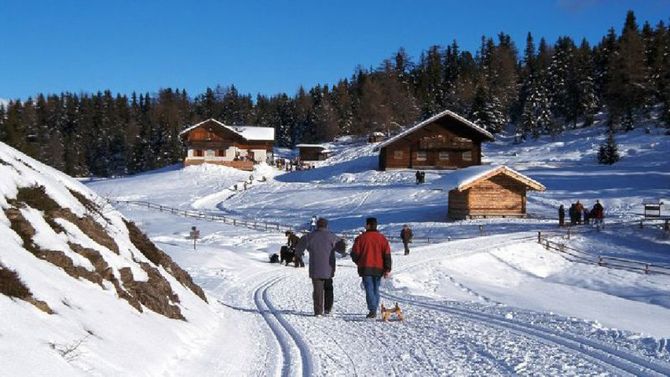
(432, 139)
(498, 196)
(310, 154)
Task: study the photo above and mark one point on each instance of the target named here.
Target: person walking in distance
(561, 215)
(372, 254)
(321, 245)
(406, 237)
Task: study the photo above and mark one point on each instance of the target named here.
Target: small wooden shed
(488, 191)
(312, 152)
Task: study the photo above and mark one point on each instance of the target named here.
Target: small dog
(386, 312)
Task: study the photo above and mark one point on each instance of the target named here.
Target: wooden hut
(376, 137)
(240, 147)
(312, 152)
(444, 141)
(487, 191)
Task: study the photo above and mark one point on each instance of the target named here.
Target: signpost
(195, 234)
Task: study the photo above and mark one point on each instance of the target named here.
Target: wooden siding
(431, 140)
(498, 196)
(312, 154)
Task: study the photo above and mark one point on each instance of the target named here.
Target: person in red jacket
(372, 254)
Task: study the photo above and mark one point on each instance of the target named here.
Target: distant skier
(372, 254)
(321, 245)
(418, 177)
(561, 215)
(406, 237)
(573, 216)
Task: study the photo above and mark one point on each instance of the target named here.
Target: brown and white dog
(386, 312)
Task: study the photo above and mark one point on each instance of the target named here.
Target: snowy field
(482, 298)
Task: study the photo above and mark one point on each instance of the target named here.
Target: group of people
(581, 215)
(420, 177)
(371, 252)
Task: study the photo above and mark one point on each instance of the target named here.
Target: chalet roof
(246, 132)
(310, 146)
(463, 179)
(430, 120)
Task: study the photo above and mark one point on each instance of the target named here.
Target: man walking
(406, 237)
(372, 254)
(321, 245)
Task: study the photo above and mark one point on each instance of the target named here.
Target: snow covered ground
(483, 298)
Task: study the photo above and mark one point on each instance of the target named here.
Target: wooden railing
(251, 224)
(549, 241)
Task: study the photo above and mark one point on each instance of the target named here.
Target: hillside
(481, 297)
(82, 289)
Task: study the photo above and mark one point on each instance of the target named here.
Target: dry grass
(155, 294)
(159, 258)
(11, 285)
(36, 197)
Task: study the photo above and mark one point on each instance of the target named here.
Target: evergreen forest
(536, 89)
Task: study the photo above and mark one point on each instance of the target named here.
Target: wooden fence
(548, 241)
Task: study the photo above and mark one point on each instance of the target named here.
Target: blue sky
(262, 46)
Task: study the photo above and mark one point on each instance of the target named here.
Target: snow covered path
(273, 306)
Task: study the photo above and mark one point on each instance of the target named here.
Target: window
(220, 153)
(467, 156)
(197, 153)
(444, 156)
(421, 156)
(209, 153)
(397, 155)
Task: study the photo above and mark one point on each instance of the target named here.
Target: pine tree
(586, 100)
(626, 75)
(608, 152)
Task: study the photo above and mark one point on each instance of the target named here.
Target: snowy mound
(96, 288)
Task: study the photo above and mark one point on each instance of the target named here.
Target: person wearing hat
(372, 254)
(321, 245)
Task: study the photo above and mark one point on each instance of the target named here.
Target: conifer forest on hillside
(539, 89)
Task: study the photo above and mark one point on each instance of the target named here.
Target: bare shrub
(71, 351)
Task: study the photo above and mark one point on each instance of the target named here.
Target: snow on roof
(463, 179)
(247, 132)
(431, 120)
(309, 146)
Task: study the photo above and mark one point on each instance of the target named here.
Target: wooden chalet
(239, 147)
(487, 191)
(312, 152)
(444, 141)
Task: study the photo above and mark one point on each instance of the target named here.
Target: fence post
(641, 224)
(539, 237)
(646, 268)
(481, 230)
(568, 232)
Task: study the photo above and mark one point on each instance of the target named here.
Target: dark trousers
(371, 284)
(406, 244)
(322, 295)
